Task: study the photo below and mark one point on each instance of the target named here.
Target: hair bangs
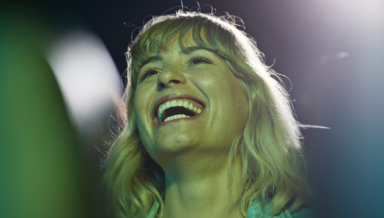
(206, 34)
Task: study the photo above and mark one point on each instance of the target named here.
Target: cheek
(235, 100)
(144, 131)
(139, 113)
(141, 103)
(240, 100)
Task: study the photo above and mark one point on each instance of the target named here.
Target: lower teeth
(177, 116)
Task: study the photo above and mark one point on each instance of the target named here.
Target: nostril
(174, 81)
(161, 86)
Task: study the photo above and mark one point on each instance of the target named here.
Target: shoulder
(260, 209)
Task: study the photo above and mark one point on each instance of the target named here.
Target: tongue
(177, 110)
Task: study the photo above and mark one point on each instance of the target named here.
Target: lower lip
(157, 125)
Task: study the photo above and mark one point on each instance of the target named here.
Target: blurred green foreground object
(42, 170)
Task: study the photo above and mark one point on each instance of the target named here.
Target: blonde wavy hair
(273, 166)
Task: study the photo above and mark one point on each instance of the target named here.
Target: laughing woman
(209, 131)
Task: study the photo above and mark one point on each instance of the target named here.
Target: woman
(209, 132)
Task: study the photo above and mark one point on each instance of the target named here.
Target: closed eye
(148, 73)
(199, 60)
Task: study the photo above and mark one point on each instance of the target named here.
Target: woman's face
(199, 85)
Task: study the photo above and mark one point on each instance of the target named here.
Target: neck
(203, 189)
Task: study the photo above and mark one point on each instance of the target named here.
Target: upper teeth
(177, 103)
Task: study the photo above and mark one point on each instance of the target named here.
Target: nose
(169, 78)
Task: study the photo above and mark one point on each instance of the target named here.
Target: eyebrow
(159, 58)
(150, 59)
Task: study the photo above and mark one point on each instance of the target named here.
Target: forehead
(153, 46)
(207, 33)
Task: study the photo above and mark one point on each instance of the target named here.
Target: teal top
(258, 210)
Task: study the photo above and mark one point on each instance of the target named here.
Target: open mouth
(178, 109)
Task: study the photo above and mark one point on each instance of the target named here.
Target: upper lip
(172, 97)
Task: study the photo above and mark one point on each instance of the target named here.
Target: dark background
(332, 52)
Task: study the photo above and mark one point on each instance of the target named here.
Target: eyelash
(155, 70)
(147, 73)
(199, 58)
